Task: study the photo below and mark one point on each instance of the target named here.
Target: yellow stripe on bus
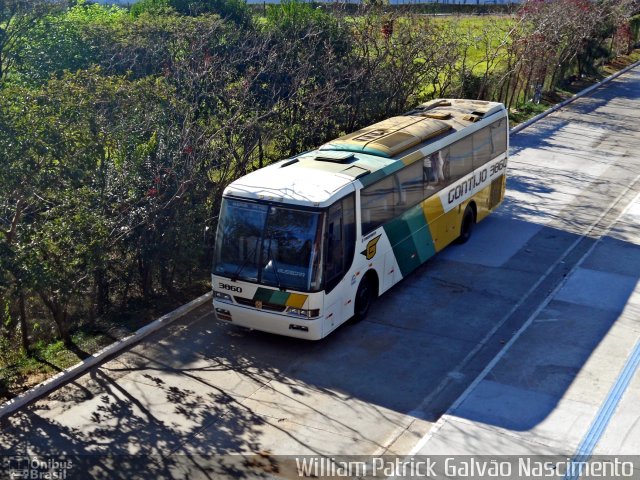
(296, 300)
(433, 211)
(413, 157)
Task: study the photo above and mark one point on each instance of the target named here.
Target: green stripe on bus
(263, 294)
(271, 296)
(410, 250)
(279, 298)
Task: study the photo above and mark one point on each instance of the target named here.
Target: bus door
(340, 245)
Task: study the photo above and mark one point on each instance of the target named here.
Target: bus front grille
(271, 307)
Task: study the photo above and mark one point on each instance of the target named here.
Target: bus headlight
(223, 297)
(301, 312)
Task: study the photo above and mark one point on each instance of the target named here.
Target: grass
(480, 32)
(527, 111)
(20, 371)
(622, 62)
(46, 359)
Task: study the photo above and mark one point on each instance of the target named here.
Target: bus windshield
(270, 245)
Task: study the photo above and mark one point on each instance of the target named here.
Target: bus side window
(499, 136)
(341, 239)
(378, 203)
(483, 148)
(411, 180)
(461, 158)
(435, 171)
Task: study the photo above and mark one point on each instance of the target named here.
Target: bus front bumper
(290, 326)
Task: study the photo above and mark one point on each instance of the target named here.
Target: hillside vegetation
(120, 128)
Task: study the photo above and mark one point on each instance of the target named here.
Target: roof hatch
(389, 137)
(332, 156)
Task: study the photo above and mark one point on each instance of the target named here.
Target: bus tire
(466, 226)
(364, 298)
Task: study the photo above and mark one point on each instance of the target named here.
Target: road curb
(69, 373)
(578, 95)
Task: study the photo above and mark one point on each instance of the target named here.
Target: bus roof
(318, 177)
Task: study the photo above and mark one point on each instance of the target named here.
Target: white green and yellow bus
(309, 242)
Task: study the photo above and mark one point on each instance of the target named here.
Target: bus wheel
(364, 299)
(468, 220)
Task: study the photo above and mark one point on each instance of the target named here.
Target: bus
(307, 243)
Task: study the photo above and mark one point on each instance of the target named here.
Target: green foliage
(153, 7)
(294, 21)
(634, 24)
(97, 156)
(95, 14)
(296, 14)
(17, 19)
(526, 111)
(69, 40)
(235, 11)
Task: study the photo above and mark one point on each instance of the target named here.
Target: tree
(17, 17)
(235, 11)
(70, 39)
(96, 173)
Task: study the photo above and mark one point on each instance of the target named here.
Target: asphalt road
(190, 398)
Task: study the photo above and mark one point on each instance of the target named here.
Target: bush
(235, 11)
(153, 7)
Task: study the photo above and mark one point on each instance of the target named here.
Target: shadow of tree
(111, 425)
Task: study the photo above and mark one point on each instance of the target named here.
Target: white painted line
(580, 94)
(443, 419)
(69, 373)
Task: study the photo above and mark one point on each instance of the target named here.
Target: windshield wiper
(236, 275)
(275, 266)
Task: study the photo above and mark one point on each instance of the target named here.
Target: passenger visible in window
(433, 168)
(437, 164)
(426, 169)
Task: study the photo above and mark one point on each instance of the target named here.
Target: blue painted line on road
(603, 417)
